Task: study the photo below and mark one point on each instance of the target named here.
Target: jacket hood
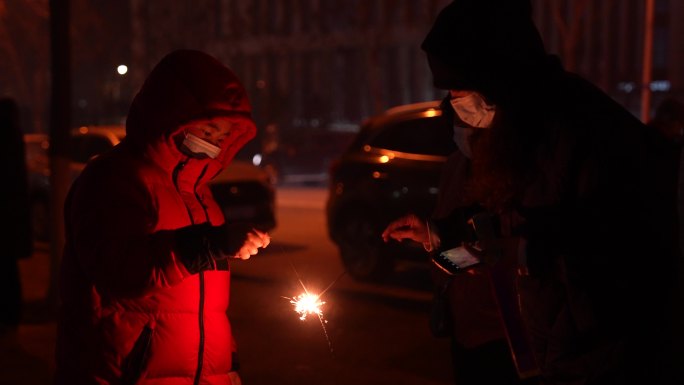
(485, 46)
(187, 85)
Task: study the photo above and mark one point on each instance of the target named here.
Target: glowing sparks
(306, 304)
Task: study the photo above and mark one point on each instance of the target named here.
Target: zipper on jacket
(212, 259)
(174, 178)
(194, 190)
(200, 353)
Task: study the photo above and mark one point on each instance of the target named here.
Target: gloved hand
(200, 246)
(236, 240)
(192, 246)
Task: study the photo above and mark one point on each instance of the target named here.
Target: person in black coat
(565, 182)
(668, 123)
(16, 239)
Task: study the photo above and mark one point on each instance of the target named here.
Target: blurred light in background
(256, 159)
(122, 69)
(656, 86)
(660, 85)
(430, 113)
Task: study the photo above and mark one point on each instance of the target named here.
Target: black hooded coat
(595, 222)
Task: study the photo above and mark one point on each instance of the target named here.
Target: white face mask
(462, 140)
(199, 146)
(473, 110)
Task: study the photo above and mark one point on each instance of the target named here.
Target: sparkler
(306, 304)
(310, 304)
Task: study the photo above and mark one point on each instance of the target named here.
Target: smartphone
(455, 260)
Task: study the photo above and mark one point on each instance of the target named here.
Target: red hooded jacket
(130, 312)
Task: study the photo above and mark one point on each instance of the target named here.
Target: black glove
(192, 245)
(200, 246)
(226, 240)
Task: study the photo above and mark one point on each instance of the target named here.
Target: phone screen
(460, 257)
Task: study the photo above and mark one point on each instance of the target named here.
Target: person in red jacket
(145, 279)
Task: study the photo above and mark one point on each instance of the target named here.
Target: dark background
(313, 69)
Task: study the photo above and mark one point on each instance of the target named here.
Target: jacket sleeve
(110, 225)
(611, 224)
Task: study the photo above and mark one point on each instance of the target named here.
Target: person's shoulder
(109, 171)
(586, 105)
(580, 93)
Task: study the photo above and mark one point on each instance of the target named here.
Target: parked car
(303, 156)
(391, 168)
(244, 191)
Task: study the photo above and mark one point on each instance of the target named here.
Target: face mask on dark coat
(474, 110)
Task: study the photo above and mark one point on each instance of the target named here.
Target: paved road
(379, 333)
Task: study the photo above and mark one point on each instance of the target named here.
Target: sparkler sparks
(307, 303)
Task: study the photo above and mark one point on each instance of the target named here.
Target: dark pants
(10, 293)
(488, 364)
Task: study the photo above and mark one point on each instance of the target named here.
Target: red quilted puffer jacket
(130, 312)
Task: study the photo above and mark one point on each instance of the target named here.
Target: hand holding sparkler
(255, 239)
(413, 228)
(237, 240)
(200, 246)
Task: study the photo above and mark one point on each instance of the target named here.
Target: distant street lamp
(119, 104)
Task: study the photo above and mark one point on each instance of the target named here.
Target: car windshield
(86, 147)
(426, 136)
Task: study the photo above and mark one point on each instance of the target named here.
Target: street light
(119, 107)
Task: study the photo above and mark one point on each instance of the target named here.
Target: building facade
(331, 63)
(305, 63)
(604, 42)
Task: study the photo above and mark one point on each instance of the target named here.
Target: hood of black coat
(489, 46)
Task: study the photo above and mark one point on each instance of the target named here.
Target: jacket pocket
(134, 364)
